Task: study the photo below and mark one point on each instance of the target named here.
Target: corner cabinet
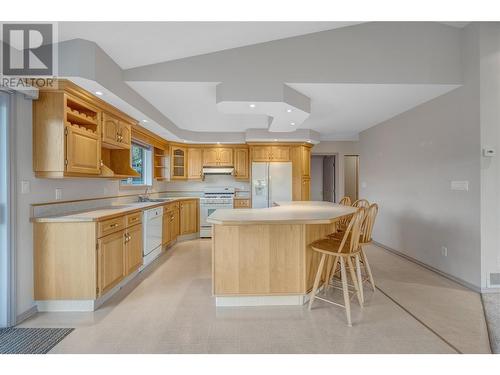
(178, 159)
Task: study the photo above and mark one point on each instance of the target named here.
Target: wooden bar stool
(343, 251)
(346, 201)
(361, 203)
(364, 240)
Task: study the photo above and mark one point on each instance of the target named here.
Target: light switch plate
(25, 187)
(58, 194)
(460, 185)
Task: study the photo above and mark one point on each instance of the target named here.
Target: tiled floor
(170, 310)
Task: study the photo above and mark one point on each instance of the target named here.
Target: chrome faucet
(145, 197)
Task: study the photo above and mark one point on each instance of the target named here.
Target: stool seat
(333, 246)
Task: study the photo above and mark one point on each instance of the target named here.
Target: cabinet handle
(113, 225)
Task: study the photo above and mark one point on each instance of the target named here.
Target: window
(142, 164)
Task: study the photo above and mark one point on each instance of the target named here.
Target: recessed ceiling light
(144, 120)
(275, 140)
(289, 110)
(184, 141)
(99, 93)
(252, 105)
(292, 123)
(309, 141)
(218, 143)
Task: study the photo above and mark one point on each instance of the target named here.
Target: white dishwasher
(152, 228)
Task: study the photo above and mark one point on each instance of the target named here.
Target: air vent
(495, 279)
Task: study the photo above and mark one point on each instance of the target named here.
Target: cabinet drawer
(110, 226)
(242, 203)
(133, 219)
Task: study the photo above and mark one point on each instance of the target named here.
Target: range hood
(218, 170)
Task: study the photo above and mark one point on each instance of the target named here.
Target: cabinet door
(189, 216)
(305, 189)
(210, 158)
(178, 160)
(241, 163)
(261, 153)
(280, 153)
(225, 156)
(111, 260)
(125, 134)
(166, 228)
(176, 225)
(133, 249)
(110, 129)
(83, 151)
(306, 161)
(194, 163)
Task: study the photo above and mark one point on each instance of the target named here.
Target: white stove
(213, 198)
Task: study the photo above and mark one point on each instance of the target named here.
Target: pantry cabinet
(241, 164)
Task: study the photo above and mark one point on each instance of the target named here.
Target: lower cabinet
(111, 257)
(170, 223)
(119, 254)
(189, 216)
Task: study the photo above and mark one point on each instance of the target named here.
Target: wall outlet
(59, 193)
(444, 251)
(25, 187)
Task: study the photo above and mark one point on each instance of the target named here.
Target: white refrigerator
(271, 182)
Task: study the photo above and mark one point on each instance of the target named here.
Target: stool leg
(335, 262)
(328, 272)
(354, 280)
(368, 269)
(345, 290)
(360, 278)
(316, 280)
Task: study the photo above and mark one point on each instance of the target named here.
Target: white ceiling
(343, 110)
(192, 106)
(132, 44)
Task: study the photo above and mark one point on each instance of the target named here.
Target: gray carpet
(491, 302)
(30, 340)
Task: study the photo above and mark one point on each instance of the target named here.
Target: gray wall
(407, 164)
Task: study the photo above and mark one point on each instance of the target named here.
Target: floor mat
(491, 302)
(30, 340)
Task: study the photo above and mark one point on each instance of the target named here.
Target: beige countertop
(105, 212)
(297, 212)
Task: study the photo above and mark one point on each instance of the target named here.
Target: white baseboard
(232, 301)
(26, 314)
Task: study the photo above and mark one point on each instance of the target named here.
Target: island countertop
(296, 212)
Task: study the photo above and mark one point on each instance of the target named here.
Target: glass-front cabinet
(179, 160)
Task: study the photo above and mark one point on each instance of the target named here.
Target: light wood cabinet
(270, 153)
(111, 260)
(242, 203)
(170, 223)
(305, 192)
(306, 161)
(241, 164)
(133, 248)
(83, 151)
(280, 153)
(76, 134)
(189, 216)
(218, 157)
(301, 172)
(194, 164)
(178, 161)
(116, 133)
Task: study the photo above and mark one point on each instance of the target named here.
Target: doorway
(351, 176)
(323, 178)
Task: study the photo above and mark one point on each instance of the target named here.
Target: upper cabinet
(70, 140)
(194, 164)
(301, 171)
(218, 157)
(178, 159)
(241, 164)
(271, 153)
(116, 133)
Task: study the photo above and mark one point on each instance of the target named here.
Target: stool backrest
(361, 203)
(368, 222)
(353, 232)
(346, 201)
